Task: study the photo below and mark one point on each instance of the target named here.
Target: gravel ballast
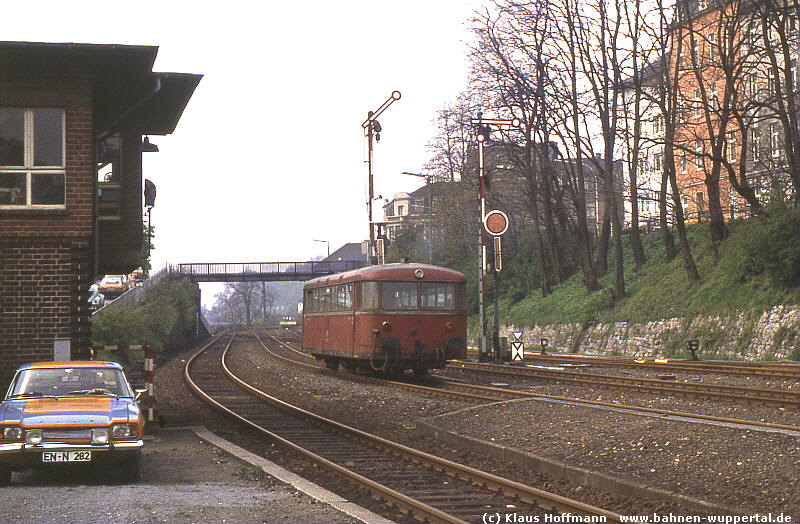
(744, 471)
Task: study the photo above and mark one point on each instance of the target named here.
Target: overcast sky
(269, 154)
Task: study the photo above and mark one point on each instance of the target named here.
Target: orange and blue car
(60, 414)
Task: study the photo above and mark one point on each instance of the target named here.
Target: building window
(31, 156)
(684, 163)
(714, 98)
(658, 162)
(755, 149)
(733, 198)
(698, 103)
(698, 154)
(731, 143)
(658, 124)
(700, 203)
(774, 140)
(711, 45)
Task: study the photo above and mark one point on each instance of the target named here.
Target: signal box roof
(122, 76)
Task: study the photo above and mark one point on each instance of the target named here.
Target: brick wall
(45, 254)
(42, 284)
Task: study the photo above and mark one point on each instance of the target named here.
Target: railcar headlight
(12, 433)
(386, 325)
(449, 326)
(100, 436)
(123, 431)
(33, 437)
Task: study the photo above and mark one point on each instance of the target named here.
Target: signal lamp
(449, 326)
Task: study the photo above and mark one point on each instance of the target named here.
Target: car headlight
(33, 437)
(12, 433)
(100, 436)
(119, 431)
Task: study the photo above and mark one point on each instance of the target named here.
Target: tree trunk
(663, 220)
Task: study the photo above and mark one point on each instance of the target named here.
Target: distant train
(389, 317)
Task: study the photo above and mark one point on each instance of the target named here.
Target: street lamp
(372, 128)
(328, 242)
(483, 131)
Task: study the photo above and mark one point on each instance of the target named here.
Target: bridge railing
(256, 271)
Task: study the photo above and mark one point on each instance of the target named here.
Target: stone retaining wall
(747, 335)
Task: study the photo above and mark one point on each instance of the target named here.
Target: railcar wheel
(420, 372)
(332, 364)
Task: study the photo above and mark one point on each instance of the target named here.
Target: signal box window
(31, 157)
(399, 295)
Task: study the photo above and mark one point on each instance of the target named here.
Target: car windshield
(39, 382)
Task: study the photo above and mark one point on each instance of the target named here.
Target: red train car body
(389, 317)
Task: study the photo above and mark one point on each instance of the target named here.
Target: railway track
(766, 396)
(479, 393)
(788, 371)
(776, 397)
(421, 486)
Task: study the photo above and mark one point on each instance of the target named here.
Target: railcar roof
(391, 272)
(72, 364)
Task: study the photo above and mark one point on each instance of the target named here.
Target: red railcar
(389, 317)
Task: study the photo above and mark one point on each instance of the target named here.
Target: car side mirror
(140, 393)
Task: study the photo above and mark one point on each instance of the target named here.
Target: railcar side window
(311, 301)
(331, 298)
(399, 295)
(344, 297)
(369, 295)
(438, 295)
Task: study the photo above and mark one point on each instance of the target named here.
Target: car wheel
(5, 476)
(130, 470)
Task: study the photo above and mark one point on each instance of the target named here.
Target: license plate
(66, 456)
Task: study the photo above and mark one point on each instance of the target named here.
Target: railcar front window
(399, 295)
(438, 296)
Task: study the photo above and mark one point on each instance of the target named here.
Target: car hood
(68, 411)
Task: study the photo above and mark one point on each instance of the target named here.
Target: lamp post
(483, 132)
(328, 242)
(373, 129)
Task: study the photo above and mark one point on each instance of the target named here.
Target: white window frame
(28, 168)
(731, 146)
(774, 140)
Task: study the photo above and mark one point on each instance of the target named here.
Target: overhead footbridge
(264, 271)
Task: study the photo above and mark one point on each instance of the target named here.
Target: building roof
(348, 252)
(126, 89)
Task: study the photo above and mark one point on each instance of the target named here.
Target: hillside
(755, 269)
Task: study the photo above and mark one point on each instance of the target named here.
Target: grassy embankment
(753, 270)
